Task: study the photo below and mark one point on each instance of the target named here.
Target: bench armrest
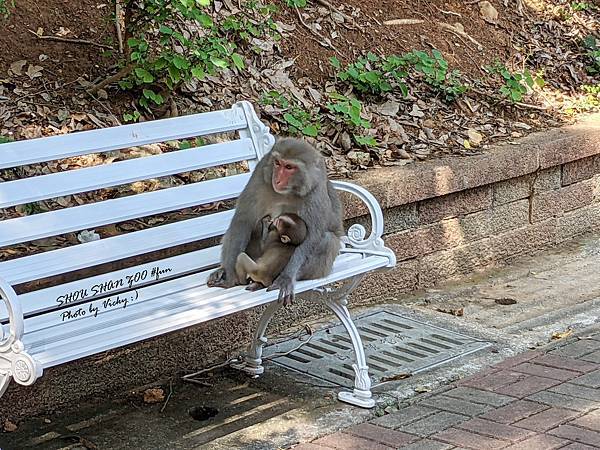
(15, 313)
(355, 240)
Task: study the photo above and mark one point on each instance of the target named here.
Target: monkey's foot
(357, 398)
(286, 289)
(219, 279)
(286, 301)
(254, 287)
(215, 278)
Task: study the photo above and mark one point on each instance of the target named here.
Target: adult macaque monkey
(282, 235)
(291, 178)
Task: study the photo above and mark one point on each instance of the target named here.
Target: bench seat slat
(54, 185)
(179, 291)
(68, 259)
(21, 153)
(29, 228)
(45, 299)
(171, 292)
(180, 310)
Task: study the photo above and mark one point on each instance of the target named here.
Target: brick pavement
(534, 401)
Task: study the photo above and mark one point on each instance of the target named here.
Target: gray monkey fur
(312, 197)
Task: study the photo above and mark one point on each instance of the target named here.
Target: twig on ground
(118, 24)
(189, 377)
(449, 13)
(403, 22)
(454, 30)
(170, 392)
(310, 333)
(326, 4)
(71, 40)
(106, 108)
(112, 79)
(323, 41)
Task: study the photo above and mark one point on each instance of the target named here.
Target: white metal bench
(75, 319)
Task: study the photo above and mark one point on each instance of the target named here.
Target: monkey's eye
(289, 167)
(277, 163)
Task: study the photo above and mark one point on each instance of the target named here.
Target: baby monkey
(280, 237)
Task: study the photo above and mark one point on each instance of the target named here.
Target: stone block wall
(448, 218)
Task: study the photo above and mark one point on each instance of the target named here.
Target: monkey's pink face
(283, 173)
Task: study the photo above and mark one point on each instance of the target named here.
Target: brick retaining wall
(448, 218)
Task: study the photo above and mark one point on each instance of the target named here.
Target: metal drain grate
(393, 345)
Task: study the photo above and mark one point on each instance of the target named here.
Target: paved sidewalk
(537, 400)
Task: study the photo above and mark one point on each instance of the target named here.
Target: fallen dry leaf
(154, 395)
(34, 71)
(16, 68)
(400, 376)
(562, 334)
(458, 312)
(505, 301)
(88, 236)
(475, 138)
(488, 12)
(9, 426)
(62, 32)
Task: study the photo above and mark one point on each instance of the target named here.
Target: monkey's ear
(285, 239)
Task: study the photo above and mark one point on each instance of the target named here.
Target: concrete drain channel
(394, 345)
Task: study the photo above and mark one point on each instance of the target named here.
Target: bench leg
(361, 396)
(252, 360)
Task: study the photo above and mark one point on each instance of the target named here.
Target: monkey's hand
(285, 284)
(219, 279)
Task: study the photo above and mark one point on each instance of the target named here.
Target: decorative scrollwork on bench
(357, 240)
(260, 133)
(15, 362)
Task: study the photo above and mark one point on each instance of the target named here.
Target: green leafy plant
(588, 101)
(377, 75)
(591, 99)
(348, 110)
(160, 55)
(133, 116)
(368, 141)
(32, 208)
(592, 46)
(239, 25)
(434, 69)
(187, 144)
(582, 6)
(372, 74)
(296, 3)
(516, 84)
(298, 120)
(5, 8)
(366, 74)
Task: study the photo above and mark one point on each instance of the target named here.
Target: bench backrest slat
(54, 185)
(22, 153)
(252, 140)
(68, 259)
(53, 223)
